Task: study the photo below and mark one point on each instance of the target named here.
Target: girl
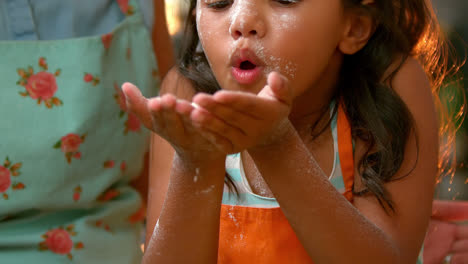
(336, 155)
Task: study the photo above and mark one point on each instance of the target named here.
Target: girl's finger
(277, 87)
(227, 114)
(450, 210)
(184, 107)
(208, 121)
(460, 246)
(172, 121)
(249, 104)
(136, 102)
(155, 109)
(459, 258)
(219, 142)
(461, 232)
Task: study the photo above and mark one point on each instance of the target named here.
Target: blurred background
(453, 18)
(452, 15)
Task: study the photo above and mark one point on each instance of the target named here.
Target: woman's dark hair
(378, 116)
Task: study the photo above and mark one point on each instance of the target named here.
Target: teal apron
(68, 147)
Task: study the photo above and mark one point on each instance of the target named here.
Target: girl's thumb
(134, 99)
(278, 88)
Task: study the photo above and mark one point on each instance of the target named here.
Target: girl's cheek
(285, 22)
(283, 25)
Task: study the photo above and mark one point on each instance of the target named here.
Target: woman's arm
(330, 228)
(161, 39)
(450, 210)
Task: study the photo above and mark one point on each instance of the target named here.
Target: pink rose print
(70, 144)
(128, 55)
(109, 164)
(100, 223)
(132, 124)
(138, 216)
(18, 186)
(43, 63)
(106, 40)
(77, 193)
(125, 7)
(40, 86)
(123, 166)
(59, 241)
(7, 172)
(76, 196)
(89, 78)
(108, 195)
(5, 179)
(79, 245)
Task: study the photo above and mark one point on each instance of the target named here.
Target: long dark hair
(378, 116)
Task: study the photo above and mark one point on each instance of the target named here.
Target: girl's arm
(162, 44)
(185, 185)
(162, 154)
(188, 226)
(331, 229)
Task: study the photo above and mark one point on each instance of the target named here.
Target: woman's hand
(246, 120)
(447, 240)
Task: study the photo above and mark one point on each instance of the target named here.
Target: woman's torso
(68, 148)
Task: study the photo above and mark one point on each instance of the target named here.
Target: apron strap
(345, 151)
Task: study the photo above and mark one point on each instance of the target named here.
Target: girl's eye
(219, 5)
(286, 2)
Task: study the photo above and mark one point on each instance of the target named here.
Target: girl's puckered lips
(246, 66)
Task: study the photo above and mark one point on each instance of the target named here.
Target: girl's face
(244, 40)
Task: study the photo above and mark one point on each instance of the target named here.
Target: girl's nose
(247, 21)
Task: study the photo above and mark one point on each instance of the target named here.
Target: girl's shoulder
(413, 86)
(410, 78)
(411, 83)
(407, 77)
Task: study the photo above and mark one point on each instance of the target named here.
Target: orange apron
(263, 235)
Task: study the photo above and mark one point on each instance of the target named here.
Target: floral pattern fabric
(69, 147)
(41, 85)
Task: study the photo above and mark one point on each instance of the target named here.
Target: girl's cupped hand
(246, 120)
(169, 117)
